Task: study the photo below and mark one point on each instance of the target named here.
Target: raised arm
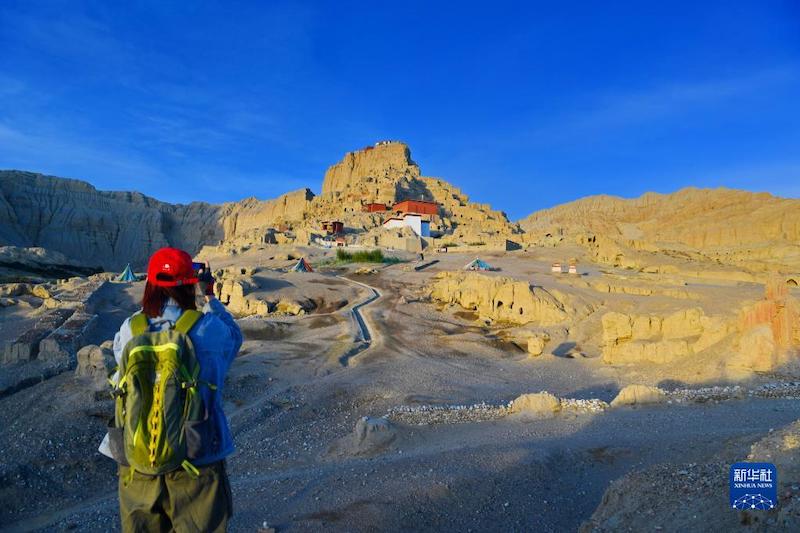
(215, 307)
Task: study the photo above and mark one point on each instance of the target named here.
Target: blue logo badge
(754, 486)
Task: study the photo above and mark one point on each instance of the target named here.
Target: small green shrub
(344, 256)
(363, 256)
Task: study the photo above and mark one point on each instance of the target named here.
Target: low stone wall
(63, 343)
(50, 347)
(26, 346)
(83, 295)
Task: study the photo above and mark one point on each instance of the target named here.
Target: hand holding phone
(204, 278)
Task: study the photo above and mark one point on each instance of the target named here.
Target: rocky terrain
(415, 394)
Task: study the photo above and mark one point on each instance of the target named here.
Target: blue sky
(523, 105)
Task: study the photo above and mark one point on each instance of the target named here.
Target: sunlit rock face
(756, 231)
(500, 298)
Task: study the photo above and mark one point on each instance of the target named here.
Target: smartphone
(197, 267)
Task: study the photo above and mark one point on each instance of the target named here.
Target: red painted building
(419, 207)
(333, 228)
(375, 208)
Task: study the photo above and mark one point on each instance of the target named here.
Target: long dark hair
(156, 297)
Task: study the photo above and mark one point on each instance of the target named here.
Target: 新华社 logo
(753, 486)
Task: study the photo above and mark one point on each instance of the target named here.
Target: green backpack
(159, 413)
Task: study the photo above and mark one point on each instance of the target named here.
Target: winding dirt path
(365, 342)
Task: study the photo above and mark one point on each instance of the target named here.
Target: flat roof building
(419, 207)
(375, 207)
(417, 224)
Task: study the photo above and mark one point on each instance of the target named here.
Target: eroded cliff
(754, 231)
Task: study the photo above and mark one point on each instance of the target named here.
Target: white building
(417, 224)
(556, 268)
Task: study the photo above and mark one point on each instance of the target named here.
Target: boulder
(638, 395)
(289, 307)
(95, 362)
(537, 343)
(51, 303)
(14, 289)
(262, 307)
(537, 405)
(40, 291)
(372, 435)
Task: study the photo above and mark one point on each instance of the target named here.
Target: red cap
(170, 267)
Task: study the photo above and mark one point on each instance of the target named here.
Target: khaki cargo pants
(175, 501)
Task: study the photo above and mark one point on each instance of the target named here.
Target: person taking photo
(169, 433)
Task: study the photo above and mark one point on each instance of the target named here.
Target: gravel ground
(505, 475)
(453, 460)
(454, 414)
(680, 497)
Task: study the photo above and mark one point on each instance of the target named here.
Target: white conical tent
(127, 274)
(477, 264)
(302, 266)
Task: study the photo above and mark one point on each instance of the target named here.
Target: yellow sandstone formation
(500, 298)
(769, 331)
(537, 405)
(756, 232)
(631, 339)
(638, 395)
(536, 344)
